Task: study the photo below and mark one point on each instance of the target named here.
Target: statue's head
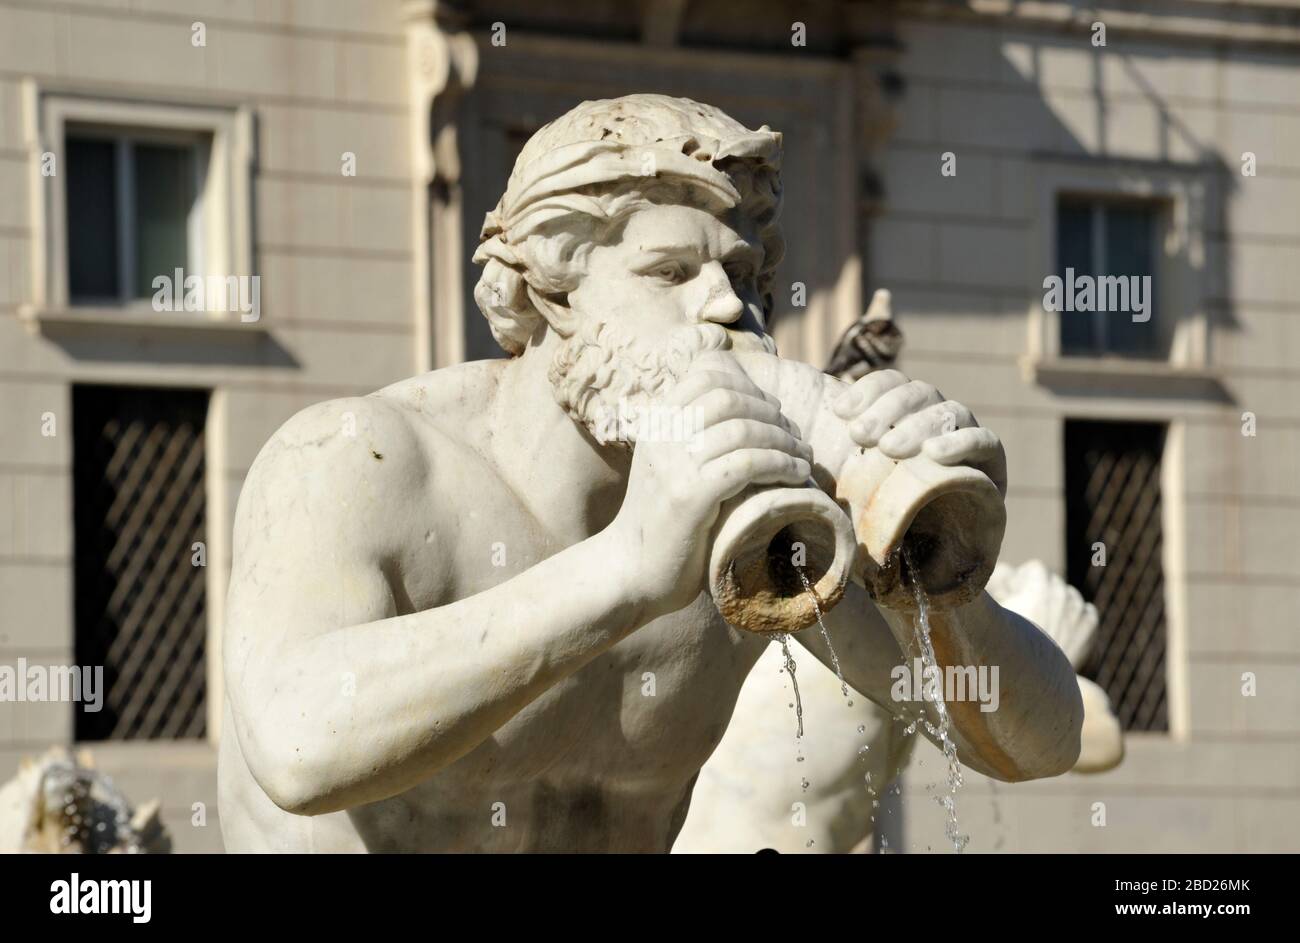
(642, 231)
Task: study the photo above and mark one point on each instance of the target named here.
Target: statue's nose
(722, 306)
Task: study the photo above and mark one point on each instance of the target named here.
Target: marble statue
(496, 607)
(828, 794)
(841, 770)
(1046, 600)
(59, 803)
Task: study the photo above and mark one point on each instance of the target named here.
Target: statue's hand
(905, 417)
(733, 436)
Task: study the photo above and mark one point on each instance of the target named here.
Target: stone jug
(951, 519)
(780, 556)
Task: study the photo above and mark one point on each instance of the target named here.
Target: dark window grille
(140, 603)
(1112, 486)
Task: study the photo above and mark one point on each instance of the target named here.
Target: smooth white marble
(747, 793)
(473, 610)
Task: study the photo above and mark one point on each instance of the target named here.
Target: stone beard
(607, 378)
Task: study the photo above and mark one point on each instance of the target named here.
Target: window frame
(1182, 271)
(224, 201)
(1115, 387)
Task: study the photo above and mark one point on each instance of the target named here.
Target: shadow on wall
(981, 242)
(177, 346)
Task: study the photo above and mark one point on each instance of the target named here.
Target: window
(1114, 556)
(134, 190)
(133, 210)
(1102, 240)
(1129, 218)
(141, 605)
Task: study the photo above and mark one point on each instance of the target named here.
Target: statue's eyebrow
(673, 249)
(741, 250)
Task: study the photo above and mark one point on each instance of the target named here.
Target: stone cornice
(1246, 22)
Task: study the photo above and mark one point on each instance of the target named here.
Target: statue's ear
(555, 309)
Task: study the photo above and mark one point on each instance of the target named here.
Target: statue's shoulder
(392, 436)
(450, 397)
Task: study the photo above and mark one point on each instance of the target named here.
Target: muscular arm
(1035, 730)
(341, 694)
(337, 699)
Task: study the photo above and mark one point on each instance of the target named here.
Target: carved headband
(583, 164)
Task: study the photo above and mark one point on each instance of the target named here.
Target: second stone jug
(947, 520)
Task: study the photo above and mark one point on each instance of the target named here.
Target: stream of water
(930, 665)
(798, 710)
(930, 668)
(794, 682)
(835, 661)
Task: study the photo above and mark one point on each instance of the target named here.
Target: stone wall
(965, 256)
(334, 253)
(1025, 106)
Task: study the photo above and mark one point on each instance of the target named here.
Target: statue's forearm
(365, 712)
(1034, 730)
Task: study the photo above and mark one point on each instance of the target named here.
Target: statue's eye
(672, 273)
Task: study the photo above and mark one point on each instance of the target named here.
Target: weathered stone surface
(59, 804)
(474, 610)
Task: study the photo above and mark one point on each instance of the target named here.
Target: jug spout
(780, 558)
(950, 517)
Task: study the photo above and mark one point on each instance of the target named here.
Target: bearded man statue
(470, 611)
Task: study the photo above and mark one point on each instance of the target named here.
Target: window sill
(1118, 376)
(133, 319)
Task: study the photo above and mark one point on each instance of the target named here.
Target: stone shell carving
(60, 804)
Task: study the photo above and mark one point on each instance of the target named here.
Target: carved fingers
(721, 397)
(741, 437)
(905, 417)
(977, 447)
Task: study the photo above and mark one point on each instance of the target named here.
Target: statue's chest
(659, 698)
(650, 708)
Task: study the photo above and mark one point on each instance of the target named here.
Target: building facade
(956, 153)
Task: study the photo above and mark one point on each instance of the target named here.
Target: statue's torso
(823, 793)
(602, 761)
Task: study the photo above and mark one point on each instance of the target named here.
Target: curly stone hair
(580, 177)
